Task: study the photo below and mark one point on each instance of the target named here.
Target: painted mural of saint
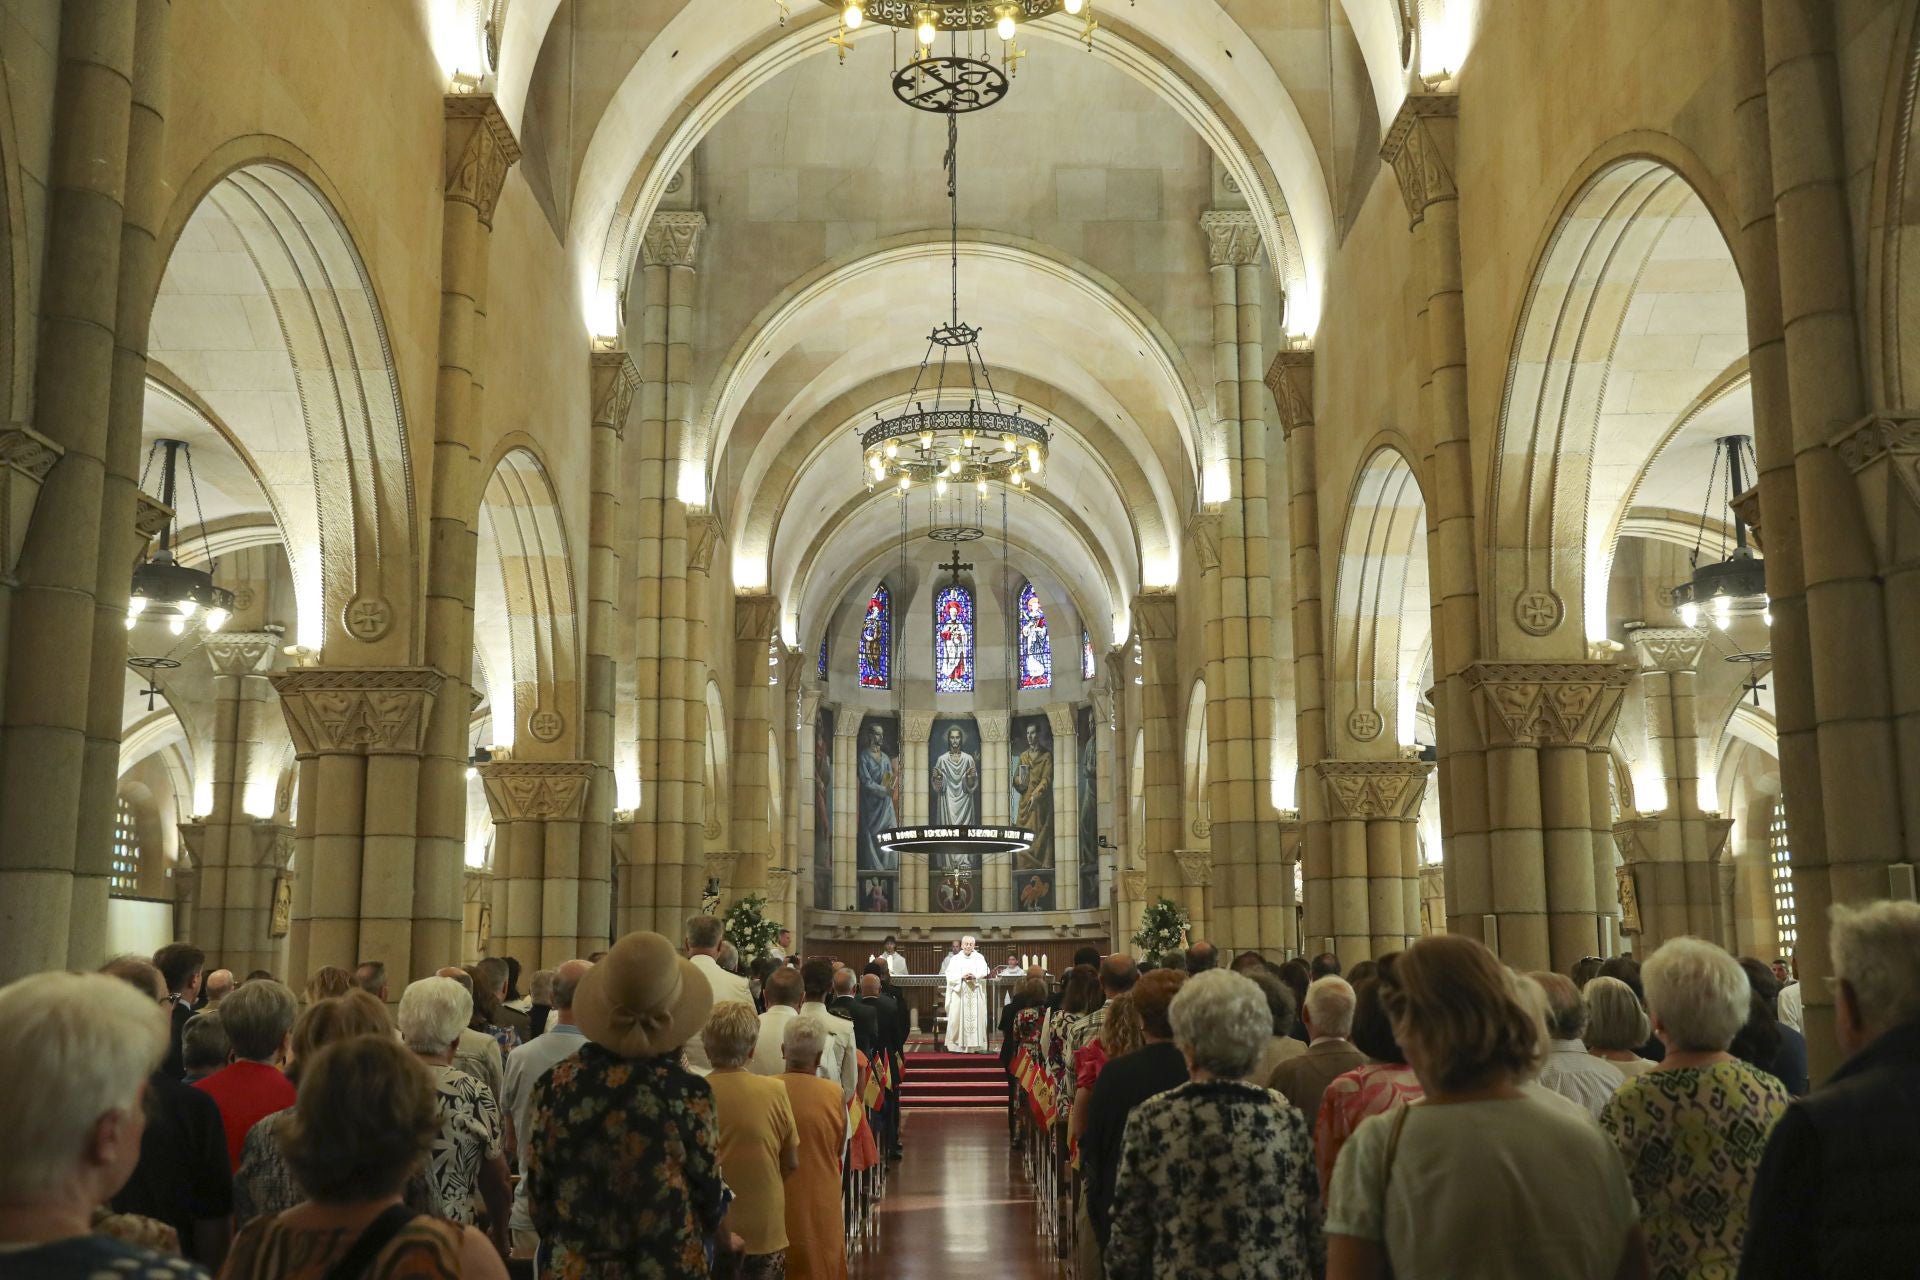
(877, 811)
(1033, 781)
(956, 784)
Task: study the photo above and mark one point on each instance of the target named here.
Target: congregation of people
(653, 1110)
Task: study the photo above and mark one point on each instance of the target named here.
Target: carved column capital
(242, 653)
(480, 148)
(1420, 146)
(357, 710)
(1361, 789)
(704, 537)
(1156, 615)
(1102, 705)
(807, 712)
(1060, 719)
(755, 617)
(1547, 704)
(1203, 531)
(1233, 237)
(993, 725)
(780, 884)
(272, 844)
(672, 239)
(1668, 648)
(613, 381)
(1133, 885)
(1196, 866)
(1883, 452)
(536, 790)
(1290, 378)
(916, 726)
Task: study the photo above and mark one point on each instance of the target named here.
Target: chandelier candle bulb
(853, 15)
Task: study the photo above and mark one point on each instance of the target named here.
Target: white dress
(967, 1005)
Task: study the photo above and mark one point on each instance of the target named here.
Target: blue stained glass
(953, 641)
(1036, 647)
(821, 666)
(876, 640)
(1086, 656)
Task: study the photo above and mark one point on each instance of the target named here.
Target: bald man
(525, 1065)
(217, 987)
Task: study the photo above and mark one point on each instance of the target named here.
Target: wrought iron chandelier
(966, 77)
(1736, 586)
(164, 590)
(957, 430)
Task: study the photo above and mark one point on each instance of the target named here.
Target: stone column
(1156, 619)
(1291, 380)
(916, 728)
(232, 902)
(45, 706)
(1541, 721)
(996, 803)
(805, 811)
(479, 149)
(1107, 764)
(754, 620)
(612, 381)
(537, 811)
(846, 808)
(1066, 805)
(1420, 145)
(358, 733)
(1373, 809)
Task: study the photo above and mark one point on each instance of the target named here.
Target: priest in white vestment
(966, 975)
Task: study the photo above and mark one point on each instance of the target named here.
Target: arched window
(1086, 656)
(953, 640)
(124, 882)
(1036, 647)
(876, 641)
(821, 665)
(1786, 920)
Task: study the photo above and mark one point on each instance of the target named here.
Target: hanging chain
(1706, 505)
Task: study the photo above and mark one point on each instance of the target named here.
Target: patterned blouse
(1372, 1090)
(1216, 1179)
(1691, 1138)
(623, 1168)
(470, 1132)
(268, 1249)
(265, 1186)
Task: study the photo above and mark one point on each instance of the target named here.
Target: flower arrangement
(748, 928)
(1163, 931)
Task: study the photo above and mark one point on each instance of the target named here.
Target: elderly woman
(623, 1171)
(468, 1157)
(758, 1144)
(1216, 1176)
(264, 1184)
(71, 1147)
(1480, 1175)
(1281, 1007)
(366, 1118)
(1617, 1025)
(328, 982)
(258, 1020)
(1691, 1131)
(816, 1229)
(1385, 1083)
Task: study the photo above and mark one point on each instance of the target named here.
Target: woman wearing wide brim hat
(622, 1146)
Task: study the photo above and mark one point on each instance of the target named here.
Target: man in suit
(1328, 1015)
(865, 1018)
(893, 1017)
(180, 964)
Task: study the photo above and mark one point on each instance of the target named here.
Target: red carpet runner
(939, 1079)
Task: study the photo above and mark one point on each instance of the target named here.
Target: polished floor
(959, 1204)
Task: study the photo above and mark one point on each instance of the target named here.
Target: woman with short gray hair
(468, 1158)
(1216, 1176)
(1692, 1129)
(816, 1228)
(1617, 1025)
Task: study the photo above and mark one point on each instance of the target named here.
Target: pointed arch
(524, 613)
(1382, 619)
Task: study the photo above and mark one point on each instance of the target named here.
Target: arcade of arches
(520, 349)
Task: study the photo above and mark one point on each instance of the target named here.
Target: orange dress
(816, 1233)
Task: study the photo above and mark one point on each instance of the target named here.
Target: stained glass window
(953, 640)
(125, 879)
(1086, 656)
(1786, 919)
(876, 640)
(1036, 648)
(821, 665)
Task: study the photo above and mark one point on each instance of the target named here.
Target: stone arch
(1893, 234)
(1382, 620)
(524, 611)
(266, 311)
(1634, 309)
(16, 298)
(1196, 809)
(718, 774)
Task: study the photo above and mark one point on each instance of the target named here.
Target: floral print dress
(623, 1168)
(1692, 1138)
(1216, 1179)
(470, 1132)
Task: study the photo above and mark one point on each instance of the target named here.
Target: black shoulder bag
(378, 1235)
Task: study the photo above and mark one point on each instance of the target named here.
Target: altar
(926, 996)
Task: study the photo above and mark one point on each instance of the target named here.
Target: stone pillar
(1066, 805)
(232, 898)
(1541, 721)
(45, 704)
(537, 810)
(1291, 380)
(1373, 809)
(613, 379)
(754, 620)
(1672, 860)
(916, 728)
(358, 733)
(479, 149)
(1156, 619)
(1106, 765)
(1245, 835)
(996, 803)
(1420, 145)
(805, 810)
(846, 808)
